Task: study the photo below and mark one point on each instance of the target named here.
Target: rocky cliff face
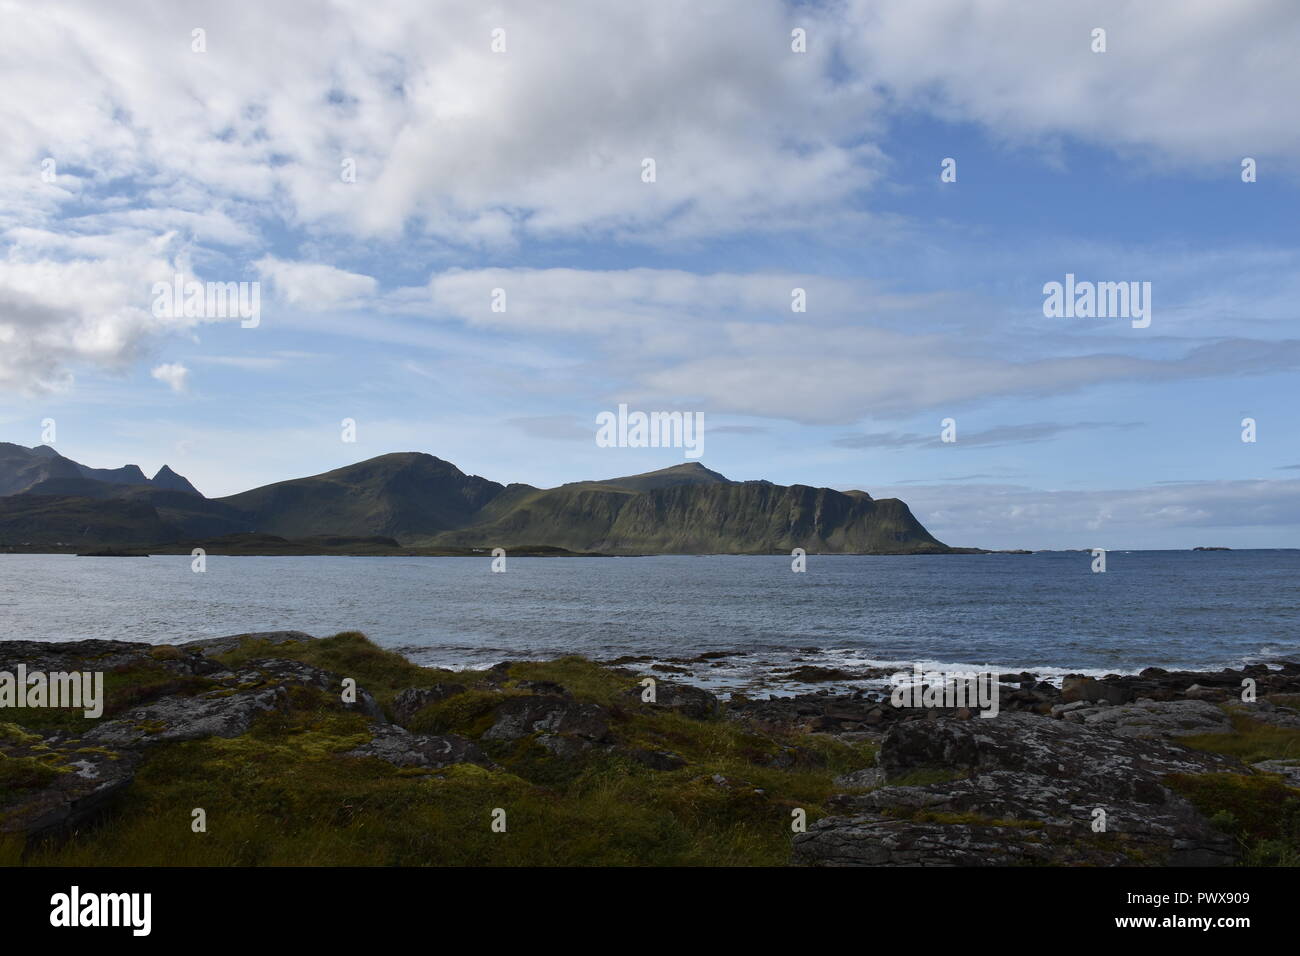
(760, 517)
(423, 501)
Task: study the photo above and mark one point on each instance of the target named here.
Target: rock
(544, 687)
(257, 687)
(1087, 688)
(861, 779)
(86, 769)
(520, 716)
(1025, 742)
(685, 699)
(1269, 713)
(76, 793)
(414, 699)
(172, 719)
(404, 749)
(1029, 796)
(1152, 718)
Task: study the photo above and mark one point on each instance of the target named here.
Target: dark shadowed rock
(1089, 689)
(73, 795)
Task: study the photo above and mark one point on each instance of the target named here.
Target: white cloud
(1192, 82)
(313, 286)
(177, 376)
(217, 154)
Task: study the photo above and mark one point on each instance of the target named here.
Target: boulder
(1090, 689)
(685, 699)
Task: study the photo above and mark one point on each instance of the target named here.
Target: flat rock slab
(1155, 718)
(1031, 791)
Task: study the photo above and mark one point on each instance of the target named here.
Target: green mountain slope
(704, 516)
(404, 495)
(425, 502)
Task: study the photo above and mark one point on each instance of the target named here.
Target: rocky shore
(333, 751)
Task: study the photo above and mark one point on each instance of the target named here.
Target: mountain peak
(687, 473)
(170, 481)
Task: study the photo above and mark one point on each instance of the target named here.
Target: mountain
(168, 480)
(20, 468)
(694, 511)
(426, 503)
(42, 470)
(407, 494)
(690, 473)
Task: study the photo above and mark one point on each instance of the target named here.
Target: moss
(1250, 741)
(583, 678)
(13, 734)
(383, 673)
(24, 773)
(925, 776)
(286, 793)
(1260, 810)
(469, 713)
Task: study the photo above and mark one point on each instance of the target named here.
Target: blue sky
(521, 170)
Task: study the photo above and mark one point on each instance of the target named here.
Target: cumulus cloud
(174, 374)
(231, 149)
(84, 301)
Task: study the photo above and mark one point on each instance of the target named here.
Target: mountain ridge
(424, 502)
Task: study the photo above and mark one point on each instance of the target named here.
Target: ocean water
(1043, 612)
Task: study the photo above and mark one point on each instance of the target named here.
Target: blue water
(1044, 612)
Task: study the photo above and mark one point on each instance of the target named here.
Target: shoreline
(384, 761)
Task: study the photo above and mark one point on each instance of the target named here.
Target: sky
(380, 168)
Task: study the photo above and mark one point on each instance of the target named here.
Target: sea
(729, 622)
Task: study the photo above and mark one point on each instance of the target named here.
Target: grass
(1261, 811)
(1250, 741)
(286, 793)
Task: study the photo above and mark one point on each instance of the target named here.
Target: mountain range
(411, 502)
